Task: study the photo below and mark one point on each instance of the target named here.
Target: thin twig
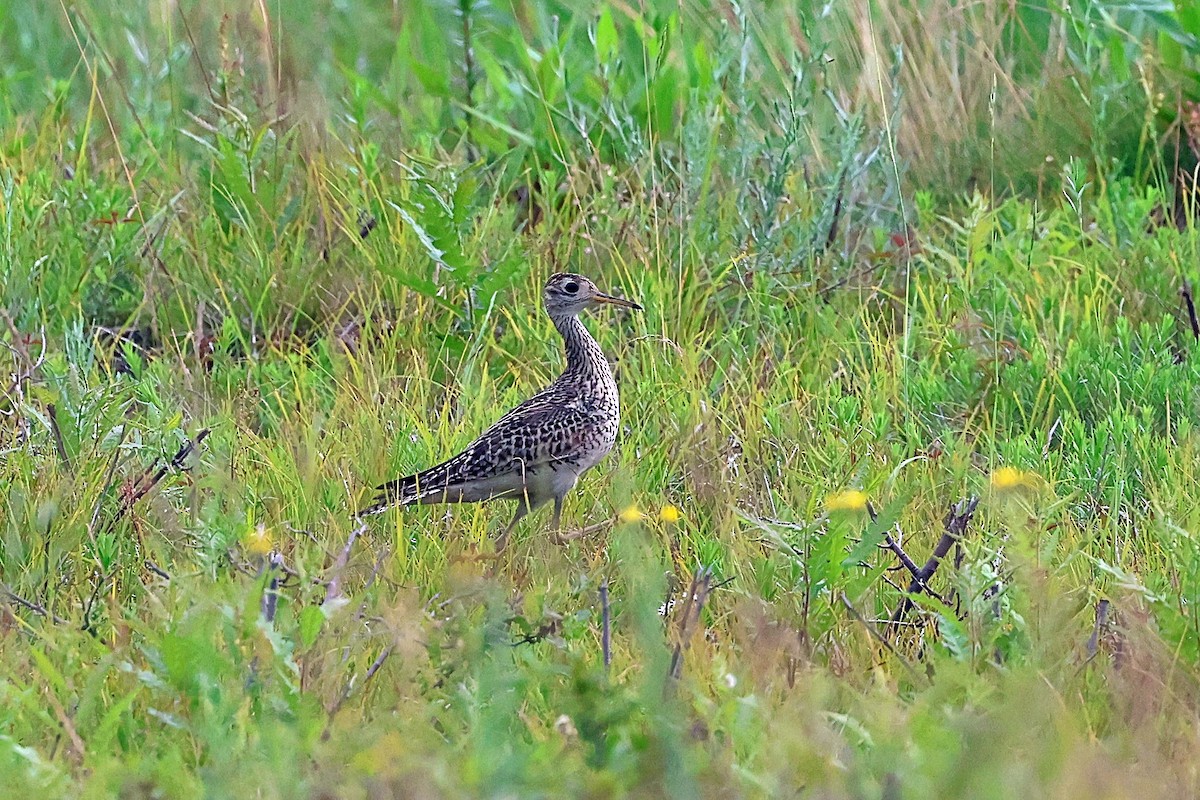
(76, 743)
(862, 272)
(698, 592)
(1190, 302)
(32, 606)
(955, 524)
(893, 545)
(910, 565)
(379, 559)
(831, 238)
(348, 689)
(879, 637)
(151, 478)
(196, 50)
(334, 589)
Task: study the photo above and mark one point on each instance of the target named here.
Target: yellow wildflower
(258, 541)
(631, 513)
(1006, 479)
(670, 514)
(849, 500)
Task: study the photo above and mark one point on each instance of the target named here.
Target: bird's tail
(408, 490)
(392, 493)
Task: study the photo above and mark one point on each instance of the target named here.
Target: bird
(537, 451)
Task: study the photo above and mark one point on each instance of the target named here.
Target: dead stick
(348, 689)
(955, 524)
(149, 480)
(879, 637)
(1190, 302)
(32, 606)
(697, 594)
(334, 589)
(894, 546)
(905, 559)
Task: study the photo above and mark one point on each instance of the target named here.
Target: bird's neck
(584, 355)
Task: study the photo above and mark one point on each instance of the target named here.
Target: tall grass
(318, 232)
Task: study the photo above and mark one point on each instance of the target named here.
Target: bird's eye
(572, 287)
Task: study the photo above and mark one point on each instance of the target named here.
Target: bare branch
(955, 524)
(151, 477)
(697, 594)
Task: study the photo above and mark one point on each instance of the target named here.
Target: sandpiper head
(570, 294)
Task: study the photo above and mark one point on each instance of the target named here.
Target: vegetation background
(897, 258)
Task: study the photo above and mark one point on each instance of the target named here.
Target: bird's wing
(540, 431)
(533, 434)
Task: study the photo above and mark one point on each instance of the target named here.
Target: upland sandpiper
(536, 452)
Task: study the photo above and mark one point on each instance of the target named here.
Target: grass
(319, 233)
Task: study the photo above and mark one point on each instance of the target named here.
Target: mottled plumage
(536, 452)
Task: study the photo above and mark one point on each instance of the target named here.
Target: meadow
(903, 501)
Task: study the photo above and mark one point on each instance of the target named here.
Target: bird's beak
(600, 297)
